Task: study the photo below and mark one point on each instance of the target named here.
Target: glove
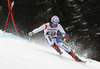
(31, 33)
(64, 40)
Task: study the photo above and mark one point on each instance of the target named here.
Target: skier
(50, 33)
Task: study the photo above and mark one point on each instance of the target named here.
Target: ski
(84, 62)
(79, 60)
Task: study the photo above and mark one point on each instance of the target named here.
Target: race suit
(51, 35)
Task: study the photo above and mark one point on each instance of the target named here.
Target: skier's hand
(64, 40)
(31, 33)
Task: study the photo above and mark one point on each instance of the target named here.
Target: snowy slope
(16, 53)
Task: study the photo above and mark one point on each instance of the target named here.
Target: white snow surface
(17, 53)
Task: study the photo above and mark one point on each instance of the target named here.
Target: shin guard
(74, 56)
(56, 48)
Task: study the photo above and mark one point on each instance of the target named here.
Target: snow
(84, 23)
(97, 33)
(17, 53)
(78, 16)
(83, 30)
(76, 21)
(69, 27)
(0, 7)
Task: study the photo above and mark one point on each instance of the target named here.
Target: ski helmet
(55, 20)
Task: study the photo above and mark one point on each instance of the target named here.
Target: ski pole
(84, 57)
(78, 52)
(29, 39)
(4, 31)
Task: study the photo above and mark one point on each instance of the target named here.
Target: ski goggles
(55, 23)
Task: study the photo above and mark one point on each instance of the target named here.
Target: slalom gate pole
(14, 23)
(10, 12)
(78, 52)
(6, 21)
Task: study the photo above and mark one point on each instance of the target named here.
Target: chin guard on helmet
(55, 20)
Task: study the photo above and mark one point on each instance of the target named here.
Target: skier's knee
(53, 44)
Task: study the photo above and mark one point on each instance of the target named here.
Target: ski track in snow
(21, 54)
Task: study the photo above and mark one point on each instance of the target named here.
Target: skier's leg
(51, 42)
(62, 45)
(74, 56)
(69, 51)
(57, 48)
(66, 48)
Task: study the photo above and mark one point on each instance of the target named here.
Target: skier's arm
(39, 29)
(62, 32)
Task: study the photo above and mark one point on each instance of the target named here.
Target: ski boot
(57, 49)
(79, 60)
(60, 52)
(76, 58)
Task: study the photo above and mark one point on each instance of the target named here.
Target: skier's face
(53, 26)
